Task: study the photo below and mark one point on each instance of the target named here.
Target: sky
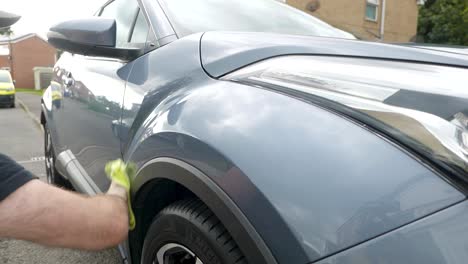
(39, 15)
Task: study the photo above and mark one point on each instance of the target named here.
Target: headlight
(460, 119)
(425, 105)
(10, 89)
(338, 77)
(323, 76)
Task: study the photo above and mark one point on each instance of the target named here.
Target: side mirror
(8, 19)
(89, 37)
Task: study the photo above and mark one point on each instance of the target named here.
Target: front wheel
(187, 232)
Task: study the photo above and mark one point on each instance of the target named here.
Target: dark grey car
(262, 135)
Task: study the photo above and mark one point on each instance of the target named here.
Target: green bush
(444, 22)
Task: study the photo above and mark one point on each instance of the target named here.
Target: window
(188, 17)
(124, 13)
(140, 31)
(5, 77)
(372, 9)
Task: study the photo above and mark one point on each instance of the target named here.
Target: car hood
(461, 50)
(224, 52)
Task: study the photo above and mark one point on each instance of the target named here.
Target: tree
(444, 22)
(6, 31)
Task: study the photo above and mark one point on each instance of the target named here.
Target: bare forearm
(92, 223)
(55, 217)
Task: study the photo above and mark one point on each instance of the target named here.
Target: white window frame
(376, 4)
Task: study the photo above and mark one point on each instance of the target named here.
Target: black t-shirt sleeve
(12, 176)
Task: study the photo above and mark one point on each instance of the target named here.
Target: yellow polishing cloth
(120, 173)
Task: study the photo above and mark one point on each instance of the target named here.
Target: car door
(94, 89)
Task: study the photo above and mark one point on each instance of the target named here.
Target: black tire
(13, 105)
(53, 176)
(191, 224)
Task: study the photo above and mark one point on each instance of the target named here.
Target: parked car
(262, 135)
(7, 89)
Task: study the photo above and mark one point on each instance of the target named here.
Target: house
(22, 54)
(383, 20)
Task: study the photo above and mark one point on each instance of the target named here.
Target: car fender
(159, 136)
(146, 137)
(273, 155)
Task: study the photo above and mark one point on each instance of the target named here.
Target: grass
(32, 91)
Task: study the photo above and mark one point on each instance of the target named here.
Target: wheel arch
(164, 180)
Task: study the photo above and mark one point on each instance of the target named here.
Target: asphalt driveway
(22, 139)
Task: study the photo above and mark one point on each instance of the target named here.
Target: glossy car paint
(189, 116)
(224, 52)
(461, 50)
(439, 239)
(423, 106)
(8, 19)
(84, 114)
(310, 182)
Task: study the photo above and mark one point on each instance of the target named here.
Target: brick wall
(401, 20)
(4, 61)
(401, 17)
(27, 54)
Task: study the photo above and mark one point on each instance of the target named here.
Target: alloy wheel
(173, 253)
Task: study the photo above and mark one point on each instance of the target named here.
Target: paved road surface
(32, 101)
(21, 139)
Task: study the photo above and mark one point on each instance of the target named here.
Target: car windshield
(5, 77)
(188, 17)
